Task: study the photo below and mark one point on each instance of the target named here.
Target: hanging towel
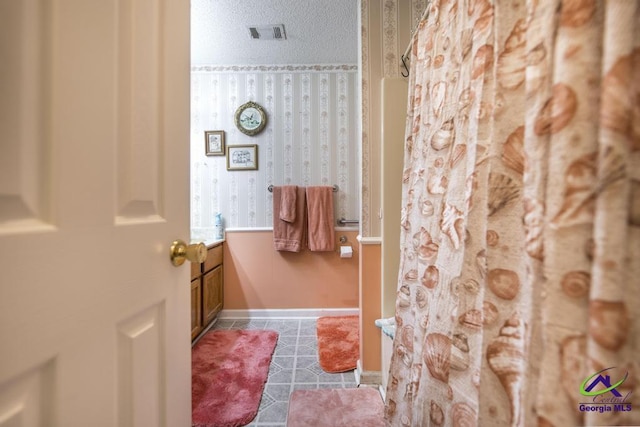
(289, 236)
(288, 204)
(320, 223)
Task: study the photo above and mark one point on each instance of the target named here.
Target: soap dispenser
(219, 229)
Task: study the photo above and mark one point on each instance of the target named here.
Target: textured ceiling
(318, 32)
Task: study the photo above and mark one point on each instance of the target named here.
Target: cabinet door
(212, 294)
(196, 270)
(214, 258)
(196, 308)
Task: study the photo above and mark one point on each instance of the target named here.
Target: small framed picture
(214, 142)
(250, 118)
(242, 157)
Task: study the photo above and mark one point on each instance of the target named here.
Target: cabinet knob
(180, 252)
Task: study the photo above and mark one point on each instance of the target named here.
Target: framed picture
(214, 142)
(242, 157)
(250, 118)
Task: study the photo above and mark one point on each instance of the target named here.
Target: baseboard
(204, 331)
(287, 313)
(358, 371)
(370, 378)
(383, 393)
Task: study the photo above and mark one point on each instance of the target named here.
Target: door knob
(180, 252)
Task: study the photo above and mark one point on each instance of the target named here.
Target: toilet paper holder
(345, 250)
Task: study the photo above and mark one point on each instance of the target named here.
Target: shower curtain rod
(270, 188)
(405, 56)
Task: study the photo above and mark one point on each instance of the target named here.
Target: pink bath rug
(228, 371)
(345, 407)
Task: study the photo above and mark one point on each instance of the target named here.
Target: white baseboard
(287, 313)
(370, 378)
(383, 393)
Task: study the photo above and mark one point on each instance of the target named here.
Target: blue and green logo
(605, 393)
(605, 381)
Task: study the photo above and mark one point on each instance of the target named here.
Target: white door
(94, 128)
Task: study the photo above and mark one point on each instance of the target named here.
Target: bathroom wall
(394, 92)
(370, 295)
(257, 277)
(394, 95)
(310, 139)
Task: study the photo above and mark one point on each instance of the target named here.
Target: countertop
(208, 243)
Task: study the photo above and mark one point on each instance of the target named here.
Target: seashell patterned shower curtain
(519, 283)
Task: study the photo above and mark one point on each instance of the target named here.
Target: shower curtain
(518, 297)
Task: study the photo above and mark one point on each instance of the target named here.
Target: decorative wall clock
(250, 118)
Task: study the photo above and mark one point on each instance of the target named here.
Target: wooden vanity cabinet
(196, 308)
(207, 288)
(212, 289)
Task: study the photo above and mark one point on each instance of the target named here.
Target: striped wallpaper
(310, 139)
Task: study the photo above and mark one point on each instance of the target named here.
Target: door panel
(141, 369)
(140, 98)
(94, 319)
(23, 400)
(25, 199)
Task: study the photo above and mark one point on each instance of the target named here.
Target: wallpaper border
(274, 68)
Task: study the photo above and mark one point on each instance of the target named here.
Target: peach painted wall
(370, 307)
(258, 277)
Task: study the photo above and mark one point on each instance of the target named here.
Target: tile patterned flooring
(294, 366)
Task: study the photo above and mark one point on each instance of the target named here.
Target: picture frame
(242, 157)
(250, 118)
(214, 143)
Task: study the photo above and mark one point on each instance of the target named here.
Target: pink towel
(288, 205)
(320, 222)
(289, 236)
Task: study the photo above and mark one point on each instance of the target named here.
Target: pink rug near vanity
(228, 371)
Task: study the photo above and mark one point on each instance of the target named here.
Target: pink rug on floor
(228, 371)
(345, 407)
(338, 342)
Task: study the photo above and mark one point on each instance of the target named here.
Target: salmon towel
(321, 233)
(288, 203)
(289, 236)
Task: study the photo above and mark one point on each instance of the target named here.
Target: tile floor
(294, 366)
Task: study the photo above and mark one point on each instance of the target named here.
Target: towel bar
(335, 188)
(343, 221)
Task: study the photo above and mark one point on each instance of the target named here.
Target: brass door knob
(180, 252)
